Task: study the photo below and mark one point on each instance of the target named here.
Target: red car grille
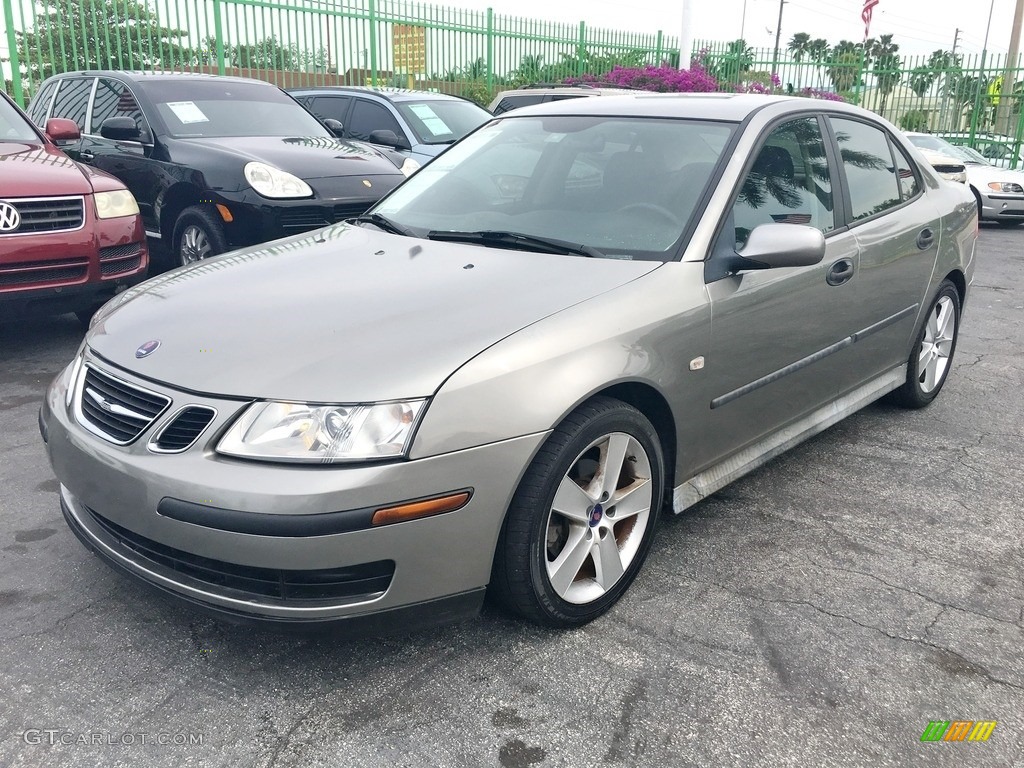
(45, 272)
(47, 214)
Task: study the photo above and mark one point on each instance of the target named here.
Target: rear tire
(582, 521)
(198, 234)
(932, 356)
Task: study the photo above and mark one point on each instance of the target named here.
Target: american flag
(791, 218)
(869, 6)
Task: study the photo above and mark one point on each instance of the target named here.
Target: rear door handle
(87, 155)
(926, 239)
(839, 272)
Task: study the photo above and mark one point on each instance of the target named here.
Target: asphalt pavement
(819, 612)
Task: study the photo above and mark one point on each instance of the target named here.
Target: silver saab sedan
(583, 314)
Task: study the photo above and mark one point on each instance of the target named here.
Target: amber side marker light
(414, 510)
(225, 213)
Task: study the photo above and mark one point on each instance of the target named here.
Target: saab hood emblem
(147, 349)
(10, 219)
(367, 183)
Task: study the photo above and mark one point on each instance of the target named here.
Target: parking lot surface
(819, 612)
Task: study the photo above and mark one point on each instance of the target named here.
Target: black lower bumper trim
(401, 620)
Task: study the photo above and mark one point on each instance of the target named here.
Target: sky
(919, 26)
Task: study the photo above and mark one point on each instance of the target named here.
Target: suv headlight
(322, 434)
(273, 182)
(112, 205)
(409, 167)
(1006, 187)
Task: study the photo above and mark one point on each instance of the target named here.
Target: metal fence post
(490, 49)
(658, 53)
(373, 42)
(12, 45)
(581, 53)
(218, 32)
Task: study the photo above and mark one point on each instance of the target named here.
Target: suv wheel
(197, 235)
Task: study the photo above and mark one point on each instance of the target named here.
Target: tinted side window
(509, 103)
(368, 117)
(73, 100)
(909, 185)
(113, 99)
(330, 108)
(789, 183)
(37, 110)
(868, 162)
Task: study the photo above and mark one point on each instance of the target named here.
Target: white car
(947, 167)
(998, 191)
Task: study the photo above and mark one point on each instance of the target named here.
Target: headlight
(1006, 187)
(410, 166)
(111, 205)
(273, 182)
(322, 434)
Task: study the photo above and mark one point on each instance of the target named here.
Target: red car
(70, 235)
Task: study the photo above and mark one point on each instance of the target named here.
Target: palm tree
(921, 79)
(885, 66)
(798, 48)
(844, 63)
(818, 50)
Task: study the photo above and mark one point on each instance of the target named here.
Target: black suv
(215, 162)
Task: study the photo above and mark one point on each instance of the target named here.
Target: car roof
(391, 94)
(138, 76)
(732, 107)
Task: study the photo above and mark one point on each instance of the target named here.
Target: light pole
(1002, 124)
(778, 33)
(981, 75)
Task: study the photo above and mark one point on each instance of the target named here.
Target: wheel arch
(172, 203)
(653, 405)
(957, 278)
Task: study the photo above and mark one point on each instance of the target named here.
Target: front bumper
(996, 206)
(111, 494)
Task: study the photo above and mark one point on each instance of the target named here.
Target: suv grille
(46, 272)
(116, 410)
(184, 429)
(48, 214)
(350, 584)
(304, 218)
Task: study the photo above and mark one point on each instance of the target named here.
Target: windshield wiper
(495, 238)
(381, 222)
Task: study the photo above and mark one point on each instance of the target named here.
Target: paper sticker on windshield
(430, 120)
(187, 112)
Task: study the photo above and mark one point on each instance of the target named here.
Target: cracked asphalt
(820, 611)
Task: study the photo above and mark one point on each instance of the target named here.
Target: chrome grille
(184, 429)
(114, 409)
(48, 214)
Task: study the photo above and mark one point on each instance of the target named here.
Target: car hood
(981, 175)
(30, 169)
(346, 314)
(308, 158)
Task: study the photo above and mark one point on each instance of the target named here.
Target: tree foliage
(70, 35)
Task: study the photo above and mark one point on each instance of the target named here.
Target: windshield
(199, 108)
(624, 187)
(14, 127)
(440, 121)
(964, 154)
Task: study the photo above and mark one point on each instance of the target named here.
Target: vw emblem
(147, 349)
(10, 219)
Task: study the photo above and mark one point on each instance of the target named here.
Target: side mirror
(335, 126)
(120, 129)
(782, 245)
(389, 139)
(62, 129)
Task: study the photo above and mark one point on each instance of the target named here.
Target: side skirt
(710, 480)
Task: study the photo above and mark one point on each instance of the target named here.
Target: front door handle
(839, 272)
(926, 239)
(87, 156)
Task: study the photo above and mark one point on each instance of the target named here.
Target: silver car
(998, 192)
(580, 316)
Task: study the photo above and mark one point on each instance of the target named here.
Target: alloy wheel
(937, 344)
(195, 245)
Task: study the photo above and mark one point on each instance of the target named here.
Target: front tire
(582, 521)
(197, 235)
(932, 355)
